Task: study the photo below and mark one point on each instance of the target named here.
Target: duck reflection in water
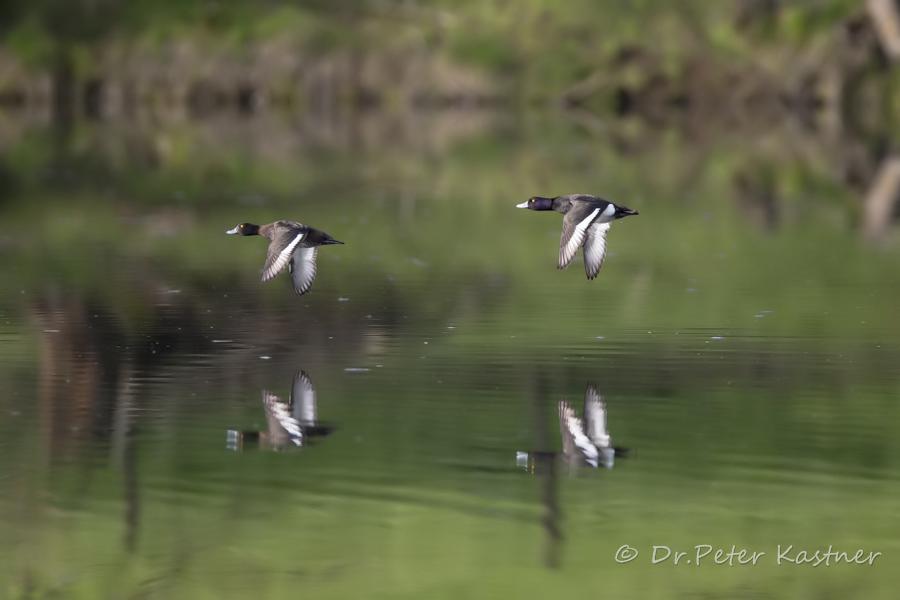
(291, 424)
(585, 440)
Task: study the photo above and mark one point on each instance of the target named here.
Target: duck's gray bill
(232, 230)
(523, 205)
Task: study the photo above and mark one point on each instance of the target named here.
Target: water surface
(743, 333)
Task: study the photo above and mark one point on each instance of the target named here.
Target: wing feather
(595, 417)
(595, 248)
(283, 427)
(278, 258)
(303, 399)
(573, 236)
(574, 439)
(303, 269)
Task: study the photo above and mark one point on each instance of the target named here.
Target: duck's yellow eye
(532, 200)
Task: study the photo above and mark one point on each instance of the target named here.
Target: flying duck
(292, 245)
(585, 225)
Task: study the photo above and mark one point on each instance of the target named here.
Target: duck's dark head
(245, 229)
(537, 203)
(621, 211)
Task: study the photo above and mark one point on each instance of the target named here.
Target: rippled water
(745, 345)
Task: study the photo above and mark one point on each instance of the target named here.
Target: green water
(743, 332)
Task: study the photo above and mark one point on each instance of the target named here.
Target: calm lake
(744, 334)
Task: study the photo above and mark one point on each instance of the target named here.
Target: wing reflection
(586, 442)
(291, 424)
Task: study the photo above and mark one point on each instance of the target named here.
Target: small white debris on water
(718, 337)
(221, 341)
(601, 337)
(265, 357)
(51, 331)
(174, 291)
(343, 299)
(356, 369)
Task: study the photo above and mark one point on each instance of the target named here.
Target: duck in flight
(587, 219)
(293, 245)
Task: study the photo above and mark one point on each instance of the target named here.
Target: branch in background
(886, 20)
(881, 200)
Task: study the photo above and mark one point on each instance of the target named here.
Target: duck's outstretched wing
(303, 269)
(595, 248)
(303, 399)
(595, 417)
(575, 226)
(575, 442)
(280, 255)
(283, 427)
